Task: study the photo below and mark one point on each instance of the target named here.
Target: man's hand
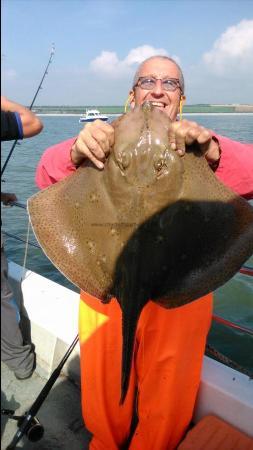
(7, 198)
(93, 142)
(186, 132)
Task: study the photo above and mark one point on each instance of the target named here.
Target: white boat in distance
(92, 114)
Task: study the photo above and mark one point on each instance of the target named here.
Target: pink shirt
(235, 167)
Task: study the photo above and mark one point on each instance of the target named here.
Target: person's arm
(55, 164)
(232, 161)
(11, 126)
(184, 133)
(235, 168)
(60, 160)
(31, 124)
(93, 142)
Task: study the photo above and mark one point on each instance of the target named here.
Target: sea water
(233, 301)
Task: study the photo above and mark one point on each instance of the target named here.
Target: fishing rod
(30, 107)
(28, 423)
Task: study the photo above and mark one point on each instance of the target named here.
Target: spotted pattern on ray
(151, 225)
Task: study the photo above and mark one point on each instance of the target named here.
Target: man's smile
(157, 104)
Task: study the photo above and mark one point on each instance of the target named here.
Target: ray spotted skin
(151, 225)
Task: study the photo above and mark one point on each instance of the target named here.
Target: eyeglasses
(148, 83)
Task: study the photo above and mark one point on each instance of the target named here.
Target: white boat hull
(92, 119)
(53, 313)
(92, 114)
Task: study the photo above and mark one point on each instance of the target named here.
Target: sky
(99, 44)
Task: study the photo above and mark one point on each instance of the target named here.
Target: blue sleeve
(11, 126)
(20, 126)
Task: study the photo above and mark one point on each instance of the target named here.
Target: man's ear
(131, 99)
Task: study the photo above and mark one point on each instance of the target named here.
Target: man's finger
(97, 162)
(102, 139)
(181, 140)
(204, 137)
(176, 136)
(172, 142)
(91, 146)
(103, 127)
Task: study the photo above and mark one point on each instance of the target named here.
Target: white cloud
(233, 51)
(108, 63)
(139, 54)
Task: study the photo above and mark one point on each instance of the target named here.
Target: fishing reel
(33, 430)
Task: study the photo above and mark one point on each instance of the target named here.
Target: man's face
(167, 101)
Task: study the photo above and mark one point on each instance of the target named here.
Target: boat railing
(19, 205)
(231, 324)
(18, 238)
(245, 270)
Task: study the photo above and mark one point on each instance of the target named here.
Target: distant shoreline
(184, 114)
(117, 110)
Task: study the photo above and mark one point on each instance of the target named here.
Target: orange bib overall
(166, 370)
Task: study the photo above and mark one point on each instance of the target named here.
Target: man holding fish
(169, 343)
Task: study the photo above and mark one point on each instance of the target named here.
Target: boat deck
(212, 433)
(61, 418)
(60, 413)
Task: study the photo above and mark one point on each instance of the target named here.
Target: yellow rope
(127, 103)
(181, 104)
(26, 250)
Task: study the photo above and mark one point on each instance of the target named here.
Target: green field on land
(201, 108)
